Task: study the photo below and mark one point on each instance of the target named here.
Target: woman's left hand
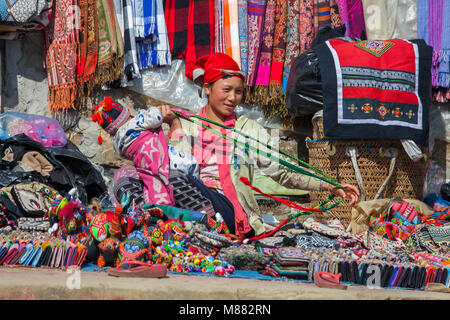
(167, 114)
(349, 192)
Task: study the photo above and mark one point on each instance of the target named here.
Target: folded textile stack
(208, 242)
(290, 263)
(33, 224)
(244, 257)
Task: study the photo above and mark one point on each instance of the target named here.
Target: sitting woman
(223, 163)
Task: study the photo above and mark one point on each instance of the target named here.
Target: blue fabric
(146, 47)
(90, 266)
(444, 60)
(422, 19)
(150, 29)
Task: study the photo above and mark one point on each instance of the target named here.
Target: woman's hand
(167, 114)
(170, 118)
(349, 192)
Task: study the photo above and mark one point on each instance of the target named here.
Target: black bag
(71, 169)
(304, 87)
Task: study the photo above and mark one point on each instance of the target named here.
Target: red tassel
(100, 140)
(108, 103)
(95, 117)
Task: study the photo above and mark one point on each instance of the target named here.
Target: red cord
(284, 201)
(264, 235)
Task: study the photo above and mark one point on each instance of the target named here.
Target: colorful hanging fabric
(255, 10)
(176, 14)
(200, 32)
(321, 14)
(433, 28)
(154, 49)
(190, 29)
(146, 30)
(278, 55)
(111, 50)
(219, 45)
(139, 19)
(162, 44)
(342, 7)
(61, 57)
(243, 34)
(306, 22)
(335, 16)
(88, 46)
(231, 29)
(131, 67)
(355, 18)
(292, 46)
(261, 92)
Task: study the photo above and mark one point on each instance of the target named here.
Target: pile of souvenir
(126, 232)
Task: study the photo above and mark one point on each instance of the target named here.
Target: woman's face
(224, 95)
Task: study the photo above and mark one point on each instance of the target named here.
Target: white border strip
(339, 82)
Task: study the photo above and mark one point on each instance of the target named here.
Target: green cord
(267, 146)
(247, 146)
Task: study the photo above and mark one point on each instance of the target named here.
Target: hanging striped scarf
(200, 32)
(433, 28)
(261, 92)
(61, 56)
(88, 47)
(139, 18)
(243, 34)
(278, 55)
(293, 39)
(176, 14)
(145, 30)
(231, 30)
(131, 68)
(153, 50)
(190, 29)
(306, 21)
(162, 44)
(111, 50)
(321, 14)
(219, 24)
(255, 21)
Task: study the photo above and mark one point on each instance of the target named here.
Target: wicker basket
(406, 182)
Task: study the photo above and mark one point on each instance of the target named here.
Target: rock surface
(40, 284)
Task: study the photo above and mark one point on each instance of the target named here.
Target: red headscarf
(214, 66)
